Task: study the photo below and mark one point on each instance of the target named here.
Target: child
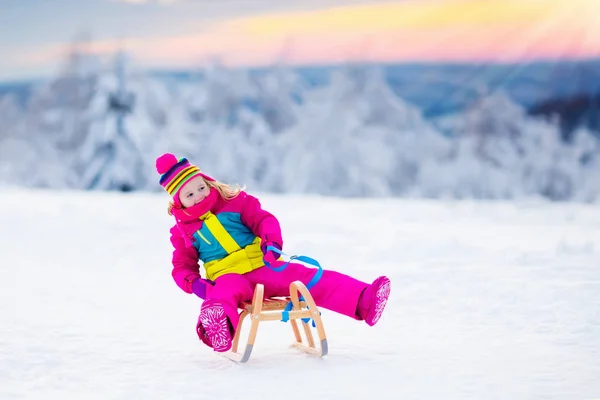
(226, 229)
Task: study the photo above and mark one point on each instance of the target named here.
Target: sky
(488, 300)
(36, 35)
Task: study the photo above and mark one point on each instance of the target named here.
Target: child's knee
(231, 288)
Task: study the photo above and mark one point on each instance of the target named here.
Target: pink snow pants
(334, 291)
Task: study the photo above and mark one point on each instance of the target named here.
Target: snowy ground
(489, 301)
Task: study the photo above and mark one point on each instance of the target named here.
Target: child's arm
(185, 262)
(262, 223)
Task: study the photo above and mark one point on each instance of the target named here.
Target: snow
(489, 300)
(351, 136)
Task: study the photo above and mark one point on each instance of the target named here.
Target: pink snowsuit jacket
(242, 217)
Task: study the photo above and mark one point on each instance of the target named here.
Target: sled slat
(271, 309)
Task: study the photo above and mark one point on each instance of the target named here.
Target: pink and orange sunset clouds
(410, 30)
(443, 30)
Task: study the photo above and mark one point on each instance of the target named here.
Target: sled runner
(295, 309)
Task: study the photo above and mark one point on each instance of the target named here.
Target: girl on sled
(227, 229)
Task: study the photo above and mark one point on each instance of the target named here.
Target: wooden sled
(272, 309)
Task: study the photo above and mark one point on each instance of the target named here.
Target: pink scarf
(184, 216)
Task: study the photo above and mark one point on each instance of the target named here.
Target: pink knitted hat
(175, 173)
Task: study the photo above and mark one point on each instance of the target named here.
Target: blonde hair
(226, 191)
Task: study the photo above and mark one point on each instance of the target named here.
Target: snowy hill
(489, 300)
(349, 136)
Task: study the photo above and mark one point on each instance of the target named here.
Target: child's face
(194, 192)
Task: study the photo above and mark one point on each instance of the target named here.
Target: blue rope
(285, 316)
